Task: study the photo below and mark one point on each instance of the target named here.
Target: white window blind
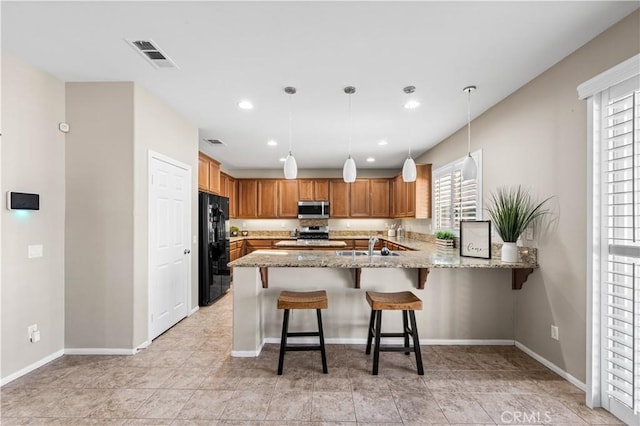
(455, 199)
(621, 292)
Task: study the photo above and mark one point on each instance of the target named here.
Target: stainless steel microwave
(313, 210)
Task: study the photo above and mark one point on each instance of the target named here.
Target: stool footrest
(303, 334)
(304, 348)
(384, 348)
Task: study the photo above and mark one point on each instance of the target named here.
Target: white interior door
(169, 248)
(620, 242)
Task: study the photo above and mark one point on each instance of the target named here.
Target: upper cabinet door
(203, 172)
(267, 198)
(338, 198)
(288, 198)
(321, 189)
(232, 189)
(359, 197)
(380, 198)
(214, 177)
(305, 189)
(247, 198)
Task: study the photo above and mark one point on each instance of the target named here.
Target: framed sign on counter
(475, 239)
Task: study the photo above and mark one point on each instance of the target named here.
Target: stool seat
(303, 300)
(400, 301)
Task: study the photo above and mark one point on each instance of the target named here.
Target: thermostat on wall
(22, 201)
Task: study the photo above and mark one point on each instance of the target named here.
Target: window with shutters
(455, 199)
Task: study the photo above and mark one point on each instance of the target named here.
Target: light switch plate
(35, 251)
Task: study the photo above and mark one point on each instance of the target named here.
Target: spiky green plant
(512, 209)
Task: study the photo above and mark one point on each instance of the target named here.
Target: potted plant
(233, 230)
(445, 239)
(511, 210)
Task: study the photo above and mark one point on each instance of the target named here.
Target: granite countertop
(311, 243)
(427, 257)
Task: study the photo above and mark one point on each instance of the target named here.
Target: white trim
(29, 368)
(551, 366)
(143, 345)
(194, 310)
(399, 340)
(250, 354)
(611, 77)
(100, 351)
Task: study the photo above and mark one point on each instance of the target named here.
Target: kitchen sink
(376, 253)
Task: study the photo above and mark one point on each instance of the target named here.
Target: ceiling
(229, 51)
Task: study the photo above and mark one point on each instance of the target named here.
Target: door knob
(187, 251)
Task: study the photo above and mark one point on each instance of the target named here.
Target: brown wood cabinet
(236, 249)
(228, 189)
(413, 199)
(313, 189)
(380, 198)
(208, 174)
(359, 198)
(338, 198)
(288, 198)
(267, 198)
(252, 245)
(247, 198)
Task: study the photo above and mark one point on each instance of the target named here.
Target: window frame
(450, 168)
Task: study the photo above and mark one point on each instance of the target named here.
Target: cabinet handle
(187, 251)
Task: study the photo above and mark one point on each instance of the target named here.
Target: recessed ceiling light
(381, 143)
(245, 105)
(412, 104)
(272, 143)
(370, 160)
(282, 160)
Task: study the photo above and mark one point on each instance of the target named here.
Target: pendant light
(409, 172)
(290, 165)
(349, 171)
(469, 168)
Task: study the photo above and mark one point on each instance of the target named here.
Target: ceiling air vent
(214, 141)
(149, 51)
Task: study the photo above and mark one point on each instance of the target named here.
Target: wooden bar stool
(302, 300)
(405, 301)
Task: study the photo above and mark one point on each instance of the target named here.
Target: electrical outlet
(31, 331)
(34, 251)
(554, 332)
(528, 232)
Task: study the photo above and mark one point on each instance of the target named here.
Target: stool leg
(376, 350)
(283, 340)
(370, 332)
(416, 342)
(321, 335)
(405, 331)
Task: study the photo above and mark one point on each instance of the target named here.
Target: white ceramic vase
(509, 253)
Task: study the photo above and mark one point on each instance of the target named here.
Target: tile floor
(187, 377)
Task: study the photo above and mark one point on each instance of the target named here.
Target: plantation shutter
(455, 199)
(621, 277)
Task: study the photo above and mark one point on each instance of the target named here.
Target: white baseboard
(31, 367)
(248, 354)
(143, 345)
(194, 310)
(551, 366)
(397, 341)
(99, 351)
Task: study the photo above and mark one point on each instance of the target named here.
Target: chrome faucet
(372, 243)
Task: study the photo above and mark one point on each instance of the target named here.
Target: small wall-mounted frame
(22, 201)
(475, 239)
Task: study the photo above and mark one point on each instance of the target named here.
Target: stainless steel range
(314, 233)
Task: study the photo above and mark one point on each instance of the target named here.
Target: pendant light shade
(469, 167)
(409, 172)
(349, 171)
(290, 165)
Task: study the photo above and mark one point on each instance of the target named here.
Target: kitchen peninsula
(456, 309)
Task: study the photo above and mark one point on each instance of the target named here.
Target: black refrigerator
(214, 274)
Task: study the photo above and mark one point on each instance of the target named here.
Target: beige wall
(160, 129)
(32, 161)
(99, 225)
(537, 137)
